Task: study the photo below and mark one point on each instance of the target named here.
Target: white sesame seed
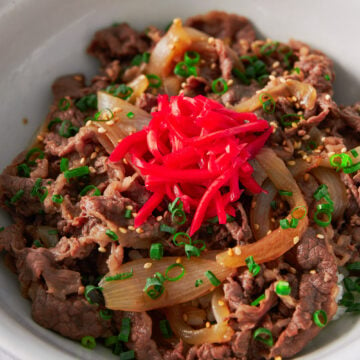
(110, 122)
(122, 230)
(131, 228)
(291, 163)
(88, 123)
(147, 265)
(93, 155)
(271, 77)
(312, 272)
(129, 207)
(159, 218)
(237, 250)
(101, 249)
(256, 226)
(276, 64)
(296, 239)
(92, 170)
(139, 230)
(178, 260)
(327, 97)
(320, 236)
(269, 232)
(101, 130)
(82, 161)
(230, 252)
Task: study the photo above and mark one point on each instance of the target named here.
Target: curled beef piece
(69, 85)
(230, 27)
(12, 238)
(117, 42)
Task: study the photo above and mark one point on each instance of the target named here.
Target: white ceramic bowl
(42, 39)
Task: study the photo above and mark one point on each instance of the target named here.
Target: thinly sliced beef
(69, 85)
(12, 238)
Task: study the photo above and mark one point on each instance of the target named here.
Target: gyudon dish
(195, 200)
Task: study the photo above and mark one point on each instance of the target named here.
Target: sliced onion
(301, 166)
(139, 86)
(304, 92)
(217, 333)
(219, 307)
(337, 189)
(280, 240)
(260, 213)
(128, 295)
(121, 125)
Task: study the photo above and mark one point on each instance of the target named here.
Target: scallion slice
(127, 355)
(283, 288)
(111, 235)
(77, 172)
(106, 314)
(219, 86)
(191, 250)
(320, 318)
(87, 102)
(125, 330)
(89, 188)
(18, 195)
(166, 228)
(121, 276)
(64, 104)
(253, 267)
(191, 57)
(53, 122)
(67, 129)
(64, 164)
(178, 217)
(170, 268)
(264, 335)
(130, 115)
(88, 342)
(156, 251)
(57, 198)
(268, 103)
(23, 170)
(154, 81)
(127, 214)
(198, 282)
(284, 223)
(257, 301)
(165, 329)
(154, 287)
(285, 193)
(103, 115)
(183, 235)
(320, 215)
(212, 278)
(353, 266)
(39, 154)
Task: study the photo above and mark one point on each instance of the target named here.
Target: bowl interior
(47, 38)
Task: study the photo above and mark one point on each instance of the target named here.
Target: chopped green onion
(92, 293)
(285, 193)
(64, 104)
(156, 251)
(257, 301)
(269, 48)
(296, 209)
(118, 348)
(127, 214)
(40, 191)
(351, 169)
(203, 247)
(184, 70)
(111, 235)
(183, 235)
(297, 70)
(319, 221)
(354, 308)
(268, 104)
(154, 287)
(198, 282)
(178, 217)
(122, 91)
(111, 340)
(77, 172)
(353, 266)
(88, 342)
(37, 243)
(321, 192)
(89, 188)
(294, 223)
(23, 170)
(340, 161)
(173, 266)
(283, 288)
(191, 250)
(219, 86)
(320, 318)
(286, 58)
(154, 81)
(53, 122)
(327, 77)
(30, 153)
(165, 329)
(103, 115)
(130, 115)
(253, 267)
(176, 204)
(264, 335)
(349, 284)
(121, 276)
(241, 75)
(354, 153)
(64, 164)
(212, 278)
(191, 57)
(125, 330)
(106, 314)
(284, 223)
(87, 102)
(325, 207)
(166, 228)
(273, 204)
(67, 129)
(57, 198)
(347, 299)
(296, 119)
(127, 355)
(311, 145)
(215, 219)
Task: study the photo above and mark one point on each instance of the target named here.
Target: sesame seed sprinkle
(147, 265)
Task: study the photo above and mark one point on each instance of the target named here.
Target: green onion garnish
(241, 75)
(165, 329)
(87, 102)
(40, 191)
(156, 251)
(103, 115)
(89, 188)
(273, 204)
(39, 155)
(320, 318)
(127, 355)
(176, 204)
(294, 223)
(140, 58)
(90, 289)
(352, 169)
(327, 77)
(284, 223)
(353, 266)
(253, 267)
(64, 104)
(349, 284)
(268, 104)
(257, 301)
(184, 70)
(121, 276)
(181, 235)
(269, 48)
(178, 217)
(321, 192)
(53, 122)
(297, 70)
(166, 228)
(57, 198)
(111, 235)
(23, 170)
(67, 129)
(127, 214)
(191, 250)
(111, 340)
(283, 288)
(154, 81)
(173, 266)
(77, 172)
(347, 299)
(285, 193)
(106, 314)
(294, 212)
(219, 86)
(319, 217)
(122, 91)
(88, 342)
(64, 164)
(212, 278)
(154, 287)
(37, 243)
(311, 145)
(125, 330)
(130, 115)
(264, 335)
(215, 219)
(354, 153)
(198, 282)
(340, 161)
(294, 118)
(191, 57)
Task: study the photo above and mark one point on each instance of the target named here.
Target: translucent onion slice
(219, 307)
(260, 213)
(128, 295)
(305, 93)
(139, 86)
(337, 189)
(217, 333)
(280, 240)
(110, 133)
(301, 166)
